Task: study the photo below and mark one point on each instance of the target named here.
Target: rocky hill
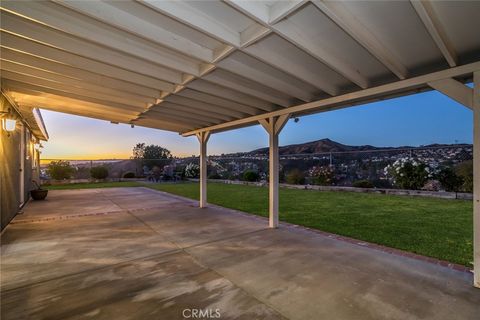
(318, 146)
(327, 145)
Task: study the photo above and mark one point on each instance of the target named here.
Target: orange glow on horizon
(94, 157)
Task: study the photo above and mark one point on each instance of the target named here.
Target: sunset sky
(414, 120)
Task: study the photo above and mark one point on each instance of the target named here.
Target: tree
(100, 172)
(138, 151)
(152, 155)
(295, 177)
(450, 180)
(251, 176)
(465, 171)
(60, 170)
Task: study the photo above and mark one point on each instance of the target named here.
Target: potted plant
(38, 193)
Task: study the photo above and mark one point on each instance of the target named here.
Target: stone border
(397, 192)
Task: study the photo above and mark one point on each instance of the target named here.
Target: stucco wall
(10, 146)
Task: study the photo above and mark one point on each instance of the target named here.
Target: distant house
(22, 130)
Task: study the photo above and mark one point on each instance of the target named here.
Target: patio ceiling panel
(256, 70)
(209, 114)
(54, 68)
(55, 55)
(339, 14)
(17, 86)
(89, 29)
(31, 75)
(298, 28)
(460, 24)
(288, 58)
(61, 104)
(247, 86)
(140, 20)
(164, 123)
(398, 27)
(58, 39)
(59, 88)
(176, 117)
(191, 112)
(219, 62)
(217, 101)
(214, 18)
(200, 105)
(230, 94)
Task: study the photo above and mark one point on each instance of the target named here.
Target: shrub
(432, 185)
(250, 175)
(450, 180)
(60, 170)
(295, 177)
(410, 174)
(99, 172)
(192, 170)
(362, 184)
(214, 176)
(323, 176)
(129, 175)
(465, 171)
(232, 176)
(382, 183)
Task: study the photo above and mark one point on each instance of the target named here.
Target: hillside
(327, 145)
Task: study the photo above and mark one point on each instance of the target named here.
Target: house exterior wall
(11, 172)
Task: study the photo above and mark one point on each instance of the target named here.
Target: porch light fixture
(9, 125)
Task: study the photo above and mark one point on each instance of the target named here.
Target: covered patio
(138, 253)
(202, 67)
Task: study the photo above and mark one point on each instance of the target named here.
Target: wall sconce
(9, 125)
(38, 145)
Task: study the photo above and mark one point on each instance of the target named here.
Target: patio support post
(476, 179)
(273, 126)
(203, 139)
(470, 98)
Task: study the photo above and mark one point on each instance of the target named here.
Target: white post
(470, 98)
(273, 185)
(203, 139)
(476, 179)
(273, 126)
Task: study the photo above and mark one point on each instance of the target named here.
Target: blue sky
(413, 120)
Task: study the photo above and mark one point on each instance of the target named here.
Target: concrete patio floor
(136, 253)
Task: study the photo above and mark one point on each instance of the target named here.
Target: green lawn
(433, 227)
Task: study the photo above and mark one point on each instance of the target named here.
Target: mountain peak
(327, 145)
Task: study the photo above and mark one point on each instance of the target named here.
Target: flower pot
(40, 194)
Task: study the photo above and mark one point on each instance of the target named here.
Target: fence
(365, 168)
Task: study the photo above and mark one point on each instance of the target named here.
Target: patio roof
(217, 65)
